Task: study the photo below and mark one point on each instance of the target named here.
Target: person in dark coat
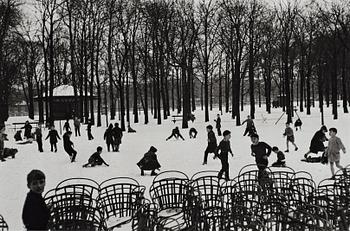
(68, 146)
(149, 162)
(261, 151)
(18, 136)
(297, 124)
(90, 137)
(250, 128)
(193, 133)
(39, 137)
(222, 152)
(317, 142)
(66, 126)
(35, 213)
(53, 134)
(117, 134)
(95, 159)
(175, 133)
(77, 126)
(108, 136)
(27, 130)
(218, 124)
(281, 160)
(212, 144)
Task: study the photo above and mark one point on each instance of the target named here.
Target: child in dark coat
(298, 124)
(39, 137)
(89, 125)
(35, 213)
(68, 146)
(218, 124)
(108, 136)
(53, 138)
(95, 159)
(250, 128)
(18, 136)
(222, 151)
(27, 130)
(281, 160)
(149, 162)
(175, 133)
(261, 151)
(212, 145)
(66, 126)
(117, 134)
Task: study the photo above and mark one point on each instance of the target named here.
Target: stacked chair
(282, 200)
(3, 224)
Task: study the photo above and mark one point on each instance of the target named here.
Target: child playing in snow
(95, 159)
(298, 124)
(317, 142)
(89, 125)
(261, 151)
(149, 162)
(68, 146)
(224, 148)
(176, 133)
(53, 138)
(333, 150)
(250, 128)
(193, 133)
(66, 126)
(290, 137)
(218, 124)
(281, 161)
(18, 136)
(35, 213)
(212, 145)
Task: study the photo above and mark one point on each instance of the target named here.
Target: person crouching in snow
(176, 133)
(149, 162)
(281, 160)
(95, 159)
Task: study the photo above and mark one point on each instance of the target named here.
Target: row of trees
(159, 54)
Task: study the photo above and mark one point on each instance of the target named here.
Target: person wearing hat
(149, 162)
(222, 152)
(317, 142)
(261, 151)
(212, 145)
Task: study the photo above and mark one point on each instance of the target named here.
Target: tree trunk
(344, 83)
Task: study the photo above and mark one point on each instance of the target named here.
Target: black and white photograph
(175, 115)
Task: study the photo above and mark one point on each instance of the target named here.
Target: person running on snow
(222, 152)
(290, 137)
(95, 159)
(68, 146)
(317, 142)
(218, 124)
(212, 144)
(149, 162)
(176, 133)
(108, 136)
(250, 128)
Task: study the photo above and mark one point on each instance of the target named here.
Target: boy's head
(226, 134)
(275, 149)
(99, 149)
(209, 128)
(36, 181)
(332, 132)
(248, 116)
(254, 138)
(69, 133)
(324, 129)
(287, 125)
(116, 124)
(218, 115)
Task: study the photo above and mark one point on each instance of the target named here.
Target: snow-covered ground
(186, 156)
